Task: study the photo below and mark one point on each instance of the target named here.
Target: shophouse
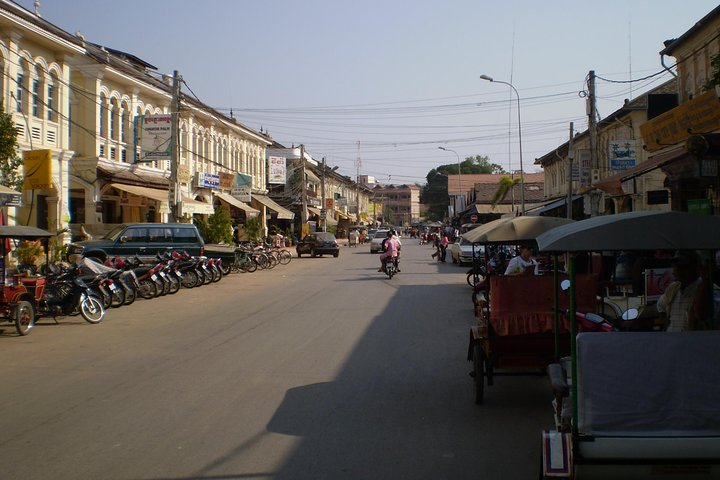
(620, 156)
(81, 101)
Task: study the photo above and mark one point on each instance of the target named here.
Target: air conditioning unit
(595, 175)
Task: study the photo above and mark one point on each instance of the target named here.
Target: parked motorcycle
(66, 293)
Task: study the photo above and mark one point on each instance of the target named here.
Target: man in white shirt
(683, 300)
(523, 264)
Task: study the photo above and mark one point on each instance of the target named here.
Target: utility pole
(357, 183)
(592, 128)
(303, 191)
(174, 188)
(323, 210)
(570, 156)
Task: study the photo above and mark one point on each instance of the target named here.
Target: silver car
(376, 241)
(462, 251)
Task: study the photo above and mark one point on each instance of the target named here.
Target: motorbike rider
(390, 248)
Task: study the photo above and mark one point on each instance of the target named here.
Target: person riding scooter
(390, 248)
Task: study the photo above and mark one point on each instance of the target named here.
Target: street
(321, 369)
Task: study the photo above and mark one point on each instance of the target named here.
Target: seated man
(390, 249)
(685, 301)
(523, 264)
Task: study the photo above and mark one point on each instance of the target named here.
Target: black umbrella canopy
(21, 231)
(635, 231)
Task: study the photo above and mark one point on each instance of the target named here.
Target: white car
(462, 251)
(376, 241)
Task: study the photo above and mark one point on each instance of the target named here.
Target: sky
(376, 86)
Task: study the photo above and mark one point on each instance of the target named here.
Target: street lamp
(522, 174)
(457, 207)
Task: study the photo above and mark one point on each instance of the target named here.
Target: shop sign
(313, 202)
(227, 180)
(342, 202)
(154, 134)
(584, 169)
(129, 200)
(699, 115)
(208, 180)
(329, 203)
(277, 170)
(10, 199)
(38, 169)
(183, 174)
(622, 154)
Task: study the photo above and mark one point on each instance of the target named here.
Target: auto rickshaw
(20, 294)
(635, 404)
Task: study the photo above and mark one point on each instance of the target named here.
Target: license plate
(153, 277)
(113, 287)
(179, 274)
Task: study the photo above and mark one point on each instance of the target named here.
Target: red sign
(474, 218)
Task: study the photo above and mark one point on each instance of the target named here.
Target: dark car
(318, 243)
(142, 239)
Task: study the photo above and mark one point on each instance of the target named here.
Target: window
(184, 235)
(50, 115)
(35, 99)
(136, 235)
(159, 235)
(103, 116)
(19, 92)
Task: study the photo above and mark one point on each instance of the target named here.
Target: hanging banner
(242, 190)
(38, 169)
(208, 180)
(277, 170)
(227, 180)
(153, 136)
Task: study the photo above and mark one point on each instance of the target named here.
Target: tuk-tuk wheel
(24, 316)
(479, 374)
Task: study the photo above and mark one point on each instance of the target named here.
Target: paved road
(321, 369)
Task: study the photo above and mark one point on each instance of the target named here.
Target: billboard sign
(242, 190)
(622, 154)
(277, 170)
(154, 137)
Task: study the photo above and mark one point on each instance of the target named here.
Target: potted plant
(28, 252)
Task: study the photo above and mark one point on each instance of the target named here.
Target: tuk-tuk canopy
(635, 231)
(514, 229)
(23, 232)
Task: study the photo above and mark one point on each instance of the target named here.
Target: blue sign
(208, 180)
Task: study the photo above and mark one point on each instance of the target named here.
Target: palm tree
(504, 186)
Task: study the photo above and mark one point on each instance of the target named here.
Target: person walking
(443, 247)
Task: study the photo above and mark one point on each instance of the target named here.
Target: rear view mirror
(630, 314)
(123, 239)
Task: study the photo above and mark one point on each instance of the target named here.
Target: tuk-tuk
(20, 294)
(635, 404)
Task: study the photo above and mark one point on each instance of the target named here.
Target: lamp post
(459, 175)
(522, 174)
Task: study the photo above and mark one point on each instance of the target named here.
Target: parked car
(318, 243)
(376, 241)
(142, 239)
(462, 251)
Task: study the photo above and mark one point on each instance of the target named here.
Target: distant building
(396, 204)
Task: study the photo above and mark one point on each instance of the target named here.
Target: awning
(314, 211)
(282, 212)
(552, 205)
(613, 183)
(160, 196)
(500, 208)
(341, 214)
(311, 176)
(230, 200)
(191, 207)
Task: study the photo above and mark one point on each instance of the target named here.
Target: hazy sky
(399, 77)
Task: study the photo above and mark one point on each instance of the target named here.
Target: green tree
(435, 192)
(505, 185)
(217, 228)
(714, 79)
(10, 163)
